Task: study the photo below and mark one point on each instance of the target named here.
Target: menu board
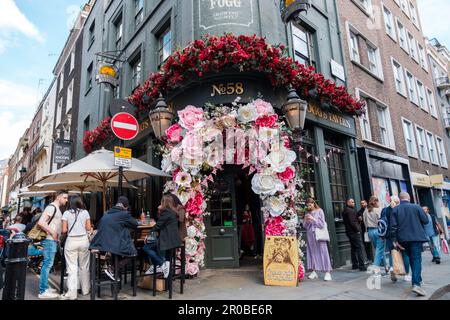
(281, 261)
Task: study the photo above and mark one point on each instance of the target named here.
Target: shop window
(164, 46)
(306, 162)
(389, 23)
(380, 189)
(303, 41)
(220, 204)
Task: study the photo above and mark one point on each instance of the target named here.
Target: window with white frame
(412, 90)
(422, 144)
(441, 152)
(354, 48)
(365, 5)
(404, 6)
(399, 78)
(303, 45)
(136, 73)
(373, 61)
(164, 45)
(409, 138)
(431, 103)
(432, 148)
(382, 123)
(138, 12)
(389, 23)
(365, 122)
(59, 111)
(413, 12)
(69, 97)
(61, 81)
(72, 61)
(421, 95)
(422, 57)
(402, 38)
(412, 46)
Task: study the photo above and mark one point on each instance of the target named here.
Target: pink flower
(267, 121)
(191, 117)
(192, 146)
(287, 175)
(301, 272)
(175, 154)
(287, 142)
(263, 107)
(192, 268)
(174, 133)
(194, 205)
(275, 227)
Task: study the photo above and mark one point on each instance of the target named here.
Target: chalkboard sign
(281, 261)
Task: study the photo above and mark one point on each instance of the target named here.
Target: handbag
(63, 237)
(322, 234)
(36, 233)
(444, 246)
(366, 237)
(398, 265)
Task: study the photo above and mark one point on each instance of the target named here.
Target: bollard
(16, 267)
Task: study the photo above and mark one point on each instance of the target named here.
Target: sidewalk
(247, 283)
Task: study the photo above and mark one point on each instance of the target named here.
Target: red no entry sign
(124, 126)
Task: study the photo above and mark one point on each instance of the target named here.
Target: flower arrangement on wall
(244, 54)
(97, 136)
(194, 153)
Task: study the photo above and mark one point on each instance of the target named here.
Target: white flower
(213, 158)
(275, 205)
(192, 165)
(280, 160)
(191, 231)
(190, 246)
(210, 133)
(166, 163)
(183, 196)
(247, 113)
(266, 184)
(183, 179)
(175, 155)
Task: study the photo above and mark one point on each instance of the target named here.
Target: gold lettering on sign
(144, 125)
(326, 115)
(227, 89)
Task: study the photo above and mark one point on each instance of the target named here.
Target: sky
(33, 33)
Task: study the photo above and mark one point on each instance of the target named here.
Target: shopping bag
(398, 265)
(444, 246)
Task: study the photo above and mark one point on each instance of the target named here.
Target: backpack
(383, 223)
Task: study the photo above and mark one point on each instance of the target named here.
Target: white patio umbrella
(26, 192)
(99, 167)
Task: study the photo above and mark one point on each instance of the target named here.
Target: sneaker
(434, 259)
(393, 276)
(327, 277)
(407, 278)
(438, 261)
(313, 275)
(419, 291)
(68, 296)
(109, 272)
(52, 290)
(165, 269)
(47, 295)
(150, 270)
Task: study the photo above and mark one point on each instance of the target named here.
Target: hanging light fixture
(160, 118)
(295, 110)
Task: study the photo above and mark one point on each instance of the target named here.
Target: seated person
(113, 235)
(18, 226)
(169, 237)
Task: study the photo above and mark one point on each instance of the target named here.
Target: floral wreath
(189, 155)
(243, 53)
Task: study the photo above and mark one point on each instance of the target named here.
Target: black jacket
(167, 225)
(113, 234)
(351, 222)
(407, 223)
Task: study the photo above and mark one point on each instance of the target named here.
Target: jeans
(49, 252)
(356, 247)
(156, 258)
(33, 251)
(378, 244)
(435, 246)
(414, 252)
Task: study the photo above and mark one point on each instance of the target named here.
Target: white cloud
(12, 20)
(12, 127)
(14, 95)
(434, 18)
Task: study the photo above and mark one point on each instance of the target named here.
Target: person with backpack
(353, 231)
(371, 216)
(76, 223)
(50, 223)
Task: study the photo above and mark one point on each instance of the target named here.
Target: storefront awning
(420, 180)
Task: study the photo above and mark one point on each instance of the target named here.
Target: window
(86, 123)
(354, 47)
(432, 148)
(303, 46)
(69, 97)
(389, 23)
(138, 12)
(136, 75)
(402, 36)
(411, 87)
(412, 46)
(422, 57)
(61, 80)
(72, 61)
(59, 111)
(118, 25)
(89, 77)
(404, 6)
(372, 56)
(164, 45)
(365, 5)
(422, 97)
(431, 103)
(399, 78)
(384, 135)
(413, 11)
(91, 33)
(421, 142)
(409, 138)
(441, 152)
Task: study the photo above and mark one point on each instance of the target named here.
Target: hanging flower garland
(97, 136)
(192, 155)
(245, 54)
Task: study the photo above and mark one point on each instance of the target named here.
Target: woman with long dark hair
(76, 222)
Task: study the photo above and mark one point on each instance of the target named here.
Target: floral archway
(251, 135)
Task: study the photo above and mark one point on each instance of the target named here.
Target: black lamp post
(295, 111)
(22, 171)
(160, 118)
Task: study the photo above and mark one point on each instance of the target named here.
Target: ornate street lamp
(22, 172)
(160, 118)
(290, 9)
(295, 110)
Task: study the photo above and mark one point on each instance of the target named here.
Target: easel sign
(281, 261)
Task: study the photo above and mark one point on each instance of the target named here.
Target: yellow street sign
(120, 152)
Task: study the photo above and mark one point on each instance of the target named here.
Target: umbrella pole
(104, 197)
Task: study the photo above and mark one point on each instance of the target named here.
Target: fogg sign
(213, 13)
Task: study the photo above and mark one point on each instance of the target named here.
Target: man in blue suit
(407, 233)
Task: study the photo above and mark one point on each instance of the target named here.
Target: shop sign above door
(333, 120)
(215, 13)
(63, 150)
(108, 73)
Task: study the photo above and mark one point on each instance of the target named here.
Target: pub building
(328, 137)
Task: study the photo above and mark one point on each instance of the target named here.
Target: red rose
(193, 206)
(267, 121)
(287, 175)
(174, 133)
